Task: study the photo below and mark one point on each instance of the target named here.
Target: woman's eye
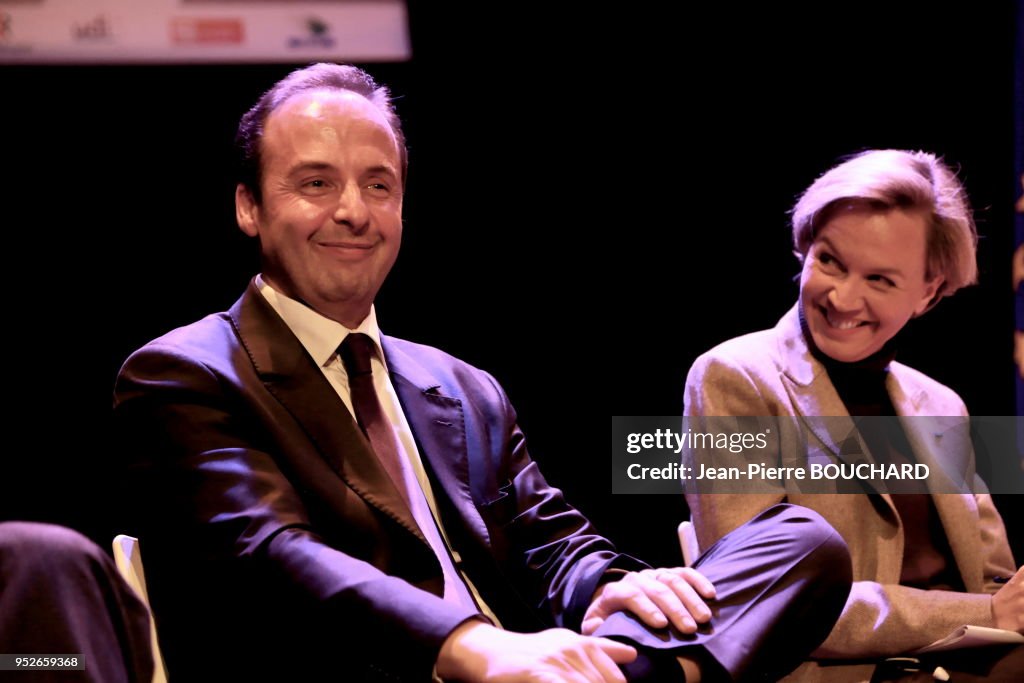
(828, 262)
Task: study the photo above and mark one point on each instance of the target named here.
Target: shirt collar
(320, 335)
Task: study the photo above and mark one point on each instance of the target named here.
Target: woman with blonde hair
(881, 239)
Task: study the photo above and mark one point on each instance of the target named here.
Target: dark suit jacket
(268, 525)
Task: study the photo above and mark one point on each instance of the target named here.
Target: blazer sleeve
(995, 546)
(211, 488)
(883, 619)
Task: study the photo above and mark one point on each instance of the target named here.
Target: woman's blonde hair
(912, 181)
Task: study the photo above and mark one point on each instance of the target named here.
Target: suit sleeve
(212, 490)
(557, 558)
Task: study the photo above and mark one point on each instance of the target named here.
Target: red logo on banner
(196, 31)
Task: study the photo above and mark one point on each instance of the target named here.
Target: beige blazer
(772, 373)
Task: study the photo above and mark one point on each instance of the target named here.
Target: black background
(594, 200)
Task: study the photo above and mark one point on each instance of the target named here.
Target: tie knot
(356, 351)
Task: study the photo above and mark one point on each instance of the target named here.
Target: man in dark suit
(320, 500)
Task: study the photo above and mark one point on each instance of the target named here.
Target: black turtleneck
(927, 559)
(860, 384)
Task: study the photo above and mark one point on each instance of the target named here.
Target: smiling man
(329, 220)
(319, 501)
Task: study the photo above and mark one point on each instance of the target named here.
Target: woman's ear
(932, 296)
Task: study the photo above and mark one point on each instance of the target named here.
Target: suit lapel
(292, 377)
(438, 424)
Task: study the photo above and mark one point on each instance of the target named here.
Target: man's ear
(247, 211)
(931, 296)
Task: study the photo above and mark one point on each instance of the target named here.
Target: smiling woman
(864, 278)
(881, 238)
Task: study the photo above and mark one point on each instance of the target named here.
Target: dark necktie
(356, 351)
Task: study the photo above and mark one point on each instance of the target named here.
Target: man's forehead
(325, 103)
(325, 115)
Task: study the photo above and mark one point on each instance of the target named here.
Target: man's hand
(1008, 604)
(476, 651)
(656, 596)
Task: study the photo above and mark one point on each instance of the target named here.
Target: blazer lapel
(943, 442)
(292, 377)
(939, 435)
(439, 427)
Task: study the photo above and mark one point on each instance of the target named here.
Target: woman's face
(863, 279)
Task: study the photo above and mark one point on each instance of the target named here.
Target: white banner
(185, 31)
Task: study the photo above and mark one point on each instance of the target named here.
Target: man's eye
(315, 187)
(881, 281)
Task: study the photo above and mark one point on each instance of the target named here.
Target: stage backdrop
(593, 201)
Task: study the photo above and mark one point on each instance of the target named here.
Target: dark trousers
(781, 581)
(60, 594)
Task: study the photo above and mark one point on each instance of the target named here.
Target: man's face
(330, 223)
(863, 279)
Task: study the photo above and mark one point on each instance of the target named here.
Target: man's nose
(351, 209)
